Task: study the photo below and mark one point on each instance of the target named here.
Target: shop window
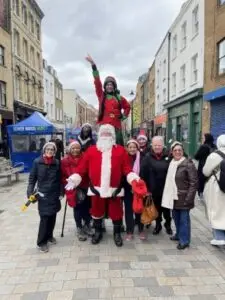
(2, 93)
(221, 57)
(184, 128)
(174, 129)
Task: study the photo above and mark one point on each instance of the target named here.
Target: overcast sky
(121, 35)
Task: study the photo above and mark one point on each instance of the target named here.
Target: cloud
(122, 36)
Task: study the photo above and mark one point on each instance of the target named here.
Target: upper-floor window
(31, 23)
(174, 47)
(16, 42)
(2, 55)
(2, 93)
(38, 31)
(164, 95)
(174, 84)
(194, 69)
(221, 57)
(16, 7)
(182, 77)
(25, 50)
(184, 35)
(46, 85)
(195, 21)
(164, 69)
(38, 62)
(24, 14)
(32, 59)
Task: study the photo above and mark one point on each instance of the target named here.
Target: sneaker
(217, 242)
(44, 248)
(81, 235)
(142, 236)
(88, 230)
(129, 237)
(52, 241)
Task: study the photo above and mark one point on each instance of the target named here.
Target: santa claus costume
(106, 163)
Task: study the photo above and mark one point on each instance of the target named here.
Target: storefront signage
(160, 119)
(29, 128)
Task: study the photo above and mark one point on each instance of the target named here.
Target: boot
(117, 233)
(168, 228)
(97, 237)
(157, 229)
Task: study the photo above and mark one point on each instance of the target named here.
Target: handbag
(150, 212)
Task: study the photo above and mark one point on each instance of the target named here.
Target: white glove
(70, 185)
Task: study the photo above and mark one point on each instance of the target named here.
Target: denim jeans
(183, 225)
(219, 234)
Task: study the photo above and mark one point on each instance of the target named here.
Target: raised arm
(97, 80)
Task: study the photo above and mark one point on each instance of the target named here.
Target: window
(2, 56)
(221, 57)
(194, 69)
(17, 83)
(51, 89)
(157, 78)
(174, 45)
(33, 90)
(32, 57)
(25, 50)
(38, 31)
(46, 85)
(164, 70)
(38, 62)
(31, 23)
(2, 93)
(16, 7)
(158, 104)
(4, 14)
(52, 111)
(47, 108)
(164, 95)
(195, 23)
(24, 13)
(16, 42)
(26, 87)
(184, 35)
(182, 77)
(174, 84)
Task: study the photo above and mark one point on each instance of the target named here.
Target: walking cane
(64, 219)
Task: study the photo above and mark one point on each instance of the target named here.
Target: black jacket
(153, 172)
(47, 178)
(85, 144)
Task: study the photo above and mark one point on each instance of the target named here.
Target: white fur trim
(132, 176)
(106, 172)
(105, 195)
(76, 178)
(141, 136)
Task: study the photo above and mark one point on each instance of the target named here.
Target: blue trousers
(183, 225)
(219, 234)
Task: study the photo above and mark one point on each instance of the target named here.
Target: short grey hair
(158, 138)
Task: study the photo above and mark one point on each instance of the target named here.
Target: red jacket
(112, 111)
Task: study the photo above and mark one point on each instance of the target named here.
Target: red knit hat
(142, 135)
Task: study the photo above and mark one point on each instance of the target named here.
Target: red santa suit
(105, 171)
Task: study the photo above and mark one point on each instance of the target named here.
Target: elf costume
(110, 105)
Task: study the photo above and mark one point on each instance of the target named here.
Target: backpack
(221, 180)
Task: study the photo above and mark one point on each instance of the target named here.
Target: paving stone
(136, 292)
(98, 283)
(83, 294)
(175, 272)
(51, 286)
(147, 258)
(119, 265)
(26, 288)
(185, 290)
(6, 289)
(111, 293)
(47, 262)
(201, 264)
(65, 276)
(168, 281)
(145, 282)
(35, 296)
(160, 291)
(65, 295)
(121, 282)
(203, 297)
(87, 274)
(88, 259)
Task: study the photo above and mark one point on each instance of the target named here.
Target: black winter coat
(153, 172)
(47, 178)
(86, 144)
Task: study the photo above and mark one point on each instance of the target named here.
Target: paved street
(78, 270)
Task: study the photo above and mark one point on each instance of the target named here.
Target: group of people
(102, 180)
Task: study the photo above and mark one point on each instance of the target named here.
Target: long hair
(116, 94)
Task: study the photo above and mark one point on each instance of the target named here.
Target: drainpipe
(169, 47)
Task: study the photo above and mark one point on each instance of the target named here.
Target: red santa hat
(142, 135)
(72, 144)
(107, 128)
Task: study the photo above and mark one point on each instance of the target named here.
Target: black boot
(157, 229)
(97, 237)
(168, 228)
(117, 233)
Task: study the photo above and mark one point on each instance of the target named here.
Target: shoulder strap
(221, 154)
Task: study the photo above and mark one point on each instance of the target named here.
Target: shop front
(23, 111)
(217, 120)
(160, 125)
(184, 121)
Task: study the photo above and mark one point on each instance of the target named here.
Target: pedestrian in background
(213, 196)
(179, 193)
(46, 174)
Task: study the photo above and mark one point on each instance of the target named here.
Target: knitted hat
(72, 144)
(176, 143)
(133, 141)
(142, 135)
(51, 144)
(112, 80)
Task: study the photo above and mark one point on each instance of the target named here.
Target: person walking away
(135, 157)
(179, 193)
(203, 152)
(46, 174)
(80, 206)
(214, 197)
(85, 137)
(154, 169)
(113, 108)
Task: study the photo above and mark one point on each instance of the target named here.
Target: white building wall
(194, 47)
(70, 107)
(161, 76)
(49, 95)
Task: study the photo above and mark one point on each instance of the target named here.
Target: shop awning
(215, 94)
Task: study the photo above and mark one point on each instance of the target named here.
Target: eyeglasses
(50, 149)
(178, 150)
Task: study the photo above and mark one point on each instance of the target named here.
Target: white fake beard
(105, 143)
